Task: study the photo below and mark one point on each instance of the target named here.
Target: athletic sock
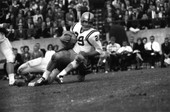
(69, 67)
(46, 75)
(62, 73)
(11, 78)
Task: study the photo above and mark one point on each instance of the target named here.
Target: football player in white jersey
(88, 44)
(6, 49)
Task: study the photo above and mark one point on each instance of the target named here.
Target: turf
(145, 90)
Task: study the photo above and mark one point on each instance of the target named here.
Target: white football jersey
(87, 41)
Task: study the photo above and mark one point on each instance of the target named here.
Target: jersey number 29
(81, 40)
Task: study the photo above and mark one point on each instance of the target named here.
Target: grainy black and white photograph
(84, 55)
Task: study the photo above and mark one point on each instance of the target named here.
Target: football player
(88, 44)
(39, 65)
(6, 49)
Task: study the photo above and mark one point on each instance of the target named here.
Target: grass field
(131, 91)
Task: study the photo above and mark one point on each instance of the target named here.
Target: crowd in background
(141, 14)
(33, 19)
(136, 54)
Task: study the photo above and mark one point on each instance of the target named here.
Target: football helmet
(87, 19)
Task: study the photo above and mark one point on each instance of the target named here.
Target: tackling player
(6, 49)
(88, 44)
(39, 65)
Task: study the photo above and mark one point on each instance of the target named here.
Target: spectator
(62, 27)
(33, 6)
(22, 50)
(152, 51)
(12, 21)
(139, 51)
(20, 20)
(56, 48)
(29, 22)
(72, 6)
(119, 15)
(15, 7)
(31, 31)
(49, 25)
(70, 15)
(165, 51)
(132, 42)
(50, 14)
(11, 32)
(84, 7)
(39, 23)
(24, 4)
(43, 32)
(36, 16)
(78, 9)
(58, 14)
(50, 47)
(26, 56)
(20, 33)
(135, 3)
(18, 60)
(29, 15)
(113, 59)
(54, 30)
(126, 23)
(125, 53)
(144, 40)
(42, 6)
(36, 52)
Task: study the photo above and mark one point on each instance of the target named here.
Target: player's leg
(23, 68)
(73, 65)
(32, 66)
(53, 76)
(67, 57)
(64, 72)
(56, 61)
(6, 49)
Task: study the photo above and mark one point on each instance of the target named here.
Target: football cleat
(39, 82)
(59, 79)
